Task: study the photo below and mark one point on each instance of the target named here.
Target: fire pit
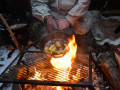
(36, 68)
(39, 71)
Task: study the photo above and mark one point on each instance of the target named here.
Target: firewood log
(110, 69)
(117, 57)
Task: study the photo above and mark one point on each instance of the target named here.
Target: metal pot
(51, 36)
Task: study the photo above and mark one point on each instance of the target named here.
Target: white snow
(7, 61)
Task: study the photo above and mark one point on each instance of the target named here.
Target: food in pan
(56, 47)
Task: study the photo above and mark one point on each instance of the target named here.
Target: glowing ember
(77, 75)
(59, 88)
(36, 76)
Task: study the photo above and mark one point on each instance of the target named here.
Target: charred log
(110, 69)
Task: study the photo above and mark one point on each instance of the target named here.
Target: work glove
(63, 24)
(51, 23)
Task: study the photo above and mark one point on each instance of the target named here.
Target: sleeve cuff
(69, 18)
(43, 16)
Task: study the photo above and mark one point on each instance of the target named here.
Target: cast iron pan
(52, 36)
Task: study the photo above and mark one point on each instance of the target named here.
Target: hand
(63, 24)
(51, 23)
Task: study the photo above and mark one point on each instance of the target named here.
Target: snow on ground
(4, 60)
(7, 61)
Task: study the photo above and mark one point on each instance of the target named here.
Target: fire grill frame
(51, 83)
(36, 82)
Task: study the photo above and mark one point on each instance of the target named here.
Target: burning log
(109, 67)
(117, 54)
(118, 59)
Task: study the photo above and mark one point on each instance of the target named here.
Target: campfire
(65, 62)
(62, 65)
(36, 70)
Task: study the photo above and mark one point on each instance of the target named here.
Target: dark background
(22, 7)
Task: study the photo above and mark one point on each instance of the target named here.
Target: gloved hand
(63, 24)
(51, 23)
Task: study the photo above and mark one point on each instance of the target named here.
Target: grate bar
(50, 83)
(34, 60)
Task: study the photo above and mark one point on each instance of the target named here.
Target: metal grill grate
(48, 75)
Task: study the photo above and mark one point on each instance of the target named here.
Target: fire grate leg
(92, 88)
(90, 71)
(21, 56)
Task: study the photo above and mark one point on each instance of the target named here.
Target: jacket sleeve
(39, 7)
(79, 10)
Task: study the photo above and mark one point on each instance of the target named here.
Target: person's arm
(40, 8)
(79, 10)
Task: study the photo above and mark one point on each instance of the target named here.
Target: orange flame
(36, 76)
(65, 61)
(62, 64)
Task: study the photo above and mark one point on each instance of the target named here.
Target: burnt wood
(109, 68)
